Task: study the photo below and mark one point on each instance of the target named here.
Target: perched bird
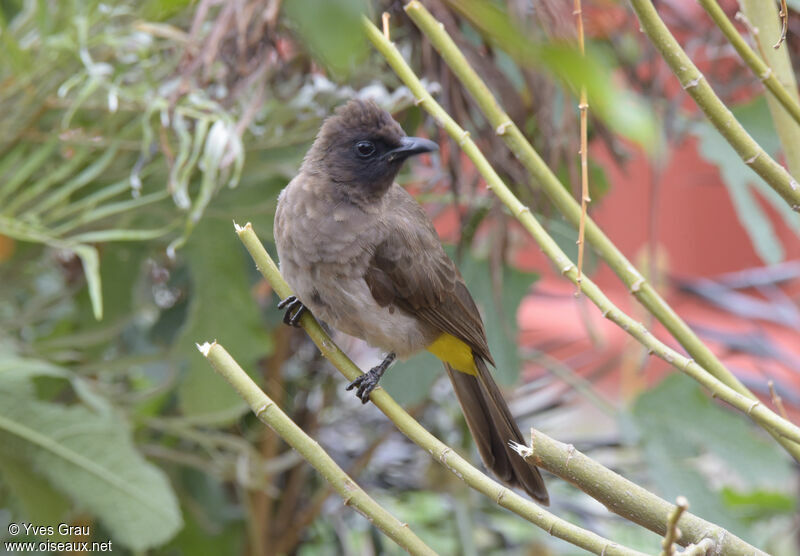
(362, 255)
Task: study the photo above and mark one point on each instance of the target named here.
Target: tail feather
(492, 427)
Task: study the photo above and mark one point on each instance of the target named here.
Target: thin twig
(673, 534)
(753, 30)
(777, 400)
(784, 15)
(442, 453)
(272, 416)
(769, 420)
(385, 19)
(583, 106)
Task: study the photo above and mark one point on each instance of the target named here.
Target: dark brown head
(361, 148)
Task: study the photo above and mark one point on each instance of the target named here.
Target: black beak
(409, 146)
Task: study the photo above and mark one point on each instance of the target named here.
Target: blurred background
(134, 133)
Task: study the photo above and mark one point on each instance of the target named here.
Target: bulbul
(362, 255)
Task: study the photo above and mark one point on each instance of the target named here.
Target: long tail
(492, 426)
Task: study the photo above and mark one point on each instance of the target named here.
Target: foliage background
(133, 133)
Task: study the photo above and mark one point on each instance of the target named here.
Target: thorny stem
(583, 106)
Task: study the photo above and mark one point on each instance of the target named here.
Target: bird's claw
(369, 381)
(294, 310)
(366, 383)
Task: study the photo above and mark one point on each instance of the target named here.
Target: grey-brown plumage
(362, 255)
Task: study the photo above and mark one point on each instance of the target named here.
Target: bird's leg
(368, 381)
(294, 310)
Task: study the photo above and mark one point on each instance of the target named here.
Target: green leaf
(221, 308)
(621, 109)
(410, 381)
(91, 269)
(740, 180)
(678, 426)
(91, 459)
(39, 501)
(759, 504)
(331, 30)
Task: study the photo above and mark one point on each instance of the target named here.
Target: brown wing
(411, 270)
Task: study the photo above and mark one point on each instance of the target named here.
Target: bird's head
(361, 149)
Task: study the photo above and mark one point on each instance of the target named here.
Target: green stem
(557, 193)
(766, 22)
(715, 110)
(442, 453)
(271, 415)
(787, 99)
(625, 498)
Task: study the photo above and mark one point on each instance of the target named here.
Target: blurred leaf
(431, 515)
(740, 180)
(666, 418)
(160, 10)
(598, 182)
(213, 518)
(223, 309)
(39, 501)
(199, 537)
(410, 381)
(331, 31)
(91, 269)
(759, 504)
(121, 266)
(91, 459)
(620, 109)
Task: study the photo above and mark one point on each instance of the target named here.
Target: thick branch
(559, 195)
(626, 498)
(715, 110)
(755, 409)
(271, 415)
(445, 455)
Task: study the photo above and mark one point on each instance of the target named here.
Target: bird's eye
(365, 149)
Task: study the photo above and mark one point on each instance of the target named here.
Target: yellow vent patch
(454, 352)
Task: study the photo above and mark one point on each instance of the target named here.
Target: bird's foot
(367, 382)
(294, 310)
